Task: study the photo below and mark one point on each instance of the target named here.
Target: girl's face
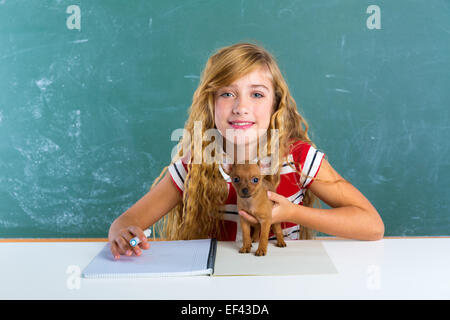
(244, 108)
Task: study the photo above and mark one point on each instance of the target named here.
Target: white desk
(385, 269)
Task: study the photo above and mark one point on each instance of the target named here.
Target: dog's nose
(245, 191)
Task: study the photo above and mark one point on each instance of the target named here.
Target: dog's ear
(264, 165)
(226, 168)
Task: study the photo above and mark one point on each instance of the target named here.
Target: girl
(243, 92)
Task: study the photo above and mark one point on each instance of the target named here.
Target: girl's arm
(351, 216)
(144, 213)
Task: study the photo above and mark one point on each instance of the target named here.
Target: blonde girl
(243, 92)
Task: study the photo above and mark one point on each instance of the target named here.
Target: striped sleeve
(310, 160)
(178, 172)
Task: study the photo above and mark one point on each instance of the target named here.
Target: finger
(117, 250)
(137, 232)
(137, 250)
(247, 217)
(144, 245)
(124, 246)
(114, 250)
(141, 246)
(275, 196)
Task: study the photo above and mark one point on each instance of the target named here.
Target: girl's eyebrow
(251, 86)
(259, 85)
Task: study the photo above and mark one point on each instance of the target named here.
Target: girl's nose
(240, 106)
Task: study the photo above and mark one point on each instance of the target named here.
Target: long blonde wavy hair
(205, 190)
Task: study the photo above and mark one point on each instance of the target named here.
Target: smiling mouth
(241, 125)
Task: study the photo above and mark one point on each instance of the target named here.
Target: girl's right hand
(120, 241)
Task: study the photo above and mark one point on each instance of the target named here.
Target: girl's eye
(260, 95)
(236, 179)
(255, 180)
(224, 94)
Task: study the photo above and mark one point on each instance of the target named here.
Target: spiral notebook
(163, 259)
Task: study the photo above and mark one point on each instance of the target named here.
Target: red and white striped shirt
(307, 160)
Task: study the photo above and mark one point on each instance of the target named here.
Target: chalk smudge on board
(80, 41)
(43, 83)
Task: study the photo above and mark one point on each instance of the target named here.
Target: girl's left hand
(281, 211)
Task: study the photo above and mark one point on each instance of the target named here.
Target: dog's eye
(236, 179)
(255, 180)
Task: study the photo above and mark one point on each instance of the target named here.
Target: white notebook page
(299, 257)
(164, 258)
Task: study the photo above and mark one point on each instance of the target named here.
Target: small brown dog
(251, 189)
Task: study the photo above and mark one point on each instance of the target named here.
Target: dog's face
(246, 178)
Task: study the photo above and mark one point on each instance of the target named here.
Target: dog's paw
(245, 249)
(261, 252)
(281, 244)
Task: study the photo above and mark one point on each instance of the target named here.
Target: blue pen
(135, 241)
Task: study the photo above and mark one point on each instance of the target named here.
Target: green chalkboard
(88, 105)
